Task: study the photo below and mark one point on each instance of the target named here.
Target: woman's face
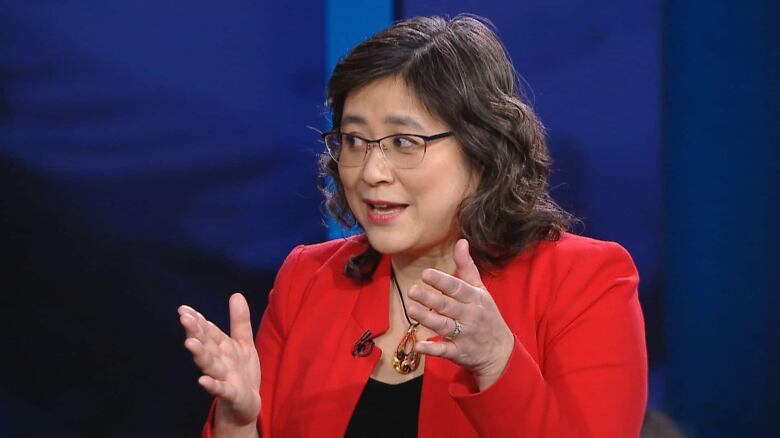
(403, 211)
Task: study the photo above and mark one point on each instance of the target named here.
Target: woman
(464, 274)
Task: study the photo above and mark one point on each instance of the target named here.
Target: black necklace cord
(400, 294)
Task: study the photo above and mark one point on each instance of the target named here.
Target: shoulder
(593, 277)
(302, 267)
(313, 257)
(568, 275)
(572, 254)
(305, 262)
(574, 247)
(574, 282)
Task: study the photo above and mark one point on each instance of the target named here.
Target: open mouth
(385, 208)
(380, 211)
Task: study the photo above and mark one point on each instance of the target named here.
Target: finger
(213, 338)
(436, 301)
(210, 330)
(189, 324)
(186, 309)
(204, 359)
(438, 323)
(188, 313)
(467, 269)
(449, 285)
(240, 323)
(217, 388)
(198, 342)
(210, 385)
(197, 327)
(443, 349)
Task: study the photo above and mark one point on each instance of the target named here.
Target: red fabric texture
(578, 369)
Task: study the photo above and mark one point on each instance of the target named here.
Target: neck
(408, 268)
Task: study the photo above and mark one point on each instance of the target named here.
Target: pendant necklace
(406, 358)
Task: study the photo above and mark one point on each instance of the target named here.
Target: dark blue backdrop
(153, 154)
(160, 153)
(722, 191)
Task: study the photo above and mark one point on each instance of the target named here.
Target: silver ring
(458, 329)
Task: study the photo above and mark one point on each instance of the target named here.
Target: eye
(351, 141)
(407, 142)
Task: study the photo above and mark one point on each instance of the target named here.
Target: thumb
(467, 269)
(240, 324)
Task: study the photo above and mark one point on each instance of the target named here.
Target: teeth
(384, 207)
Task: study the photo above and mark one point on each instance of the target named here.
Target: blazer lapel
(348, 374)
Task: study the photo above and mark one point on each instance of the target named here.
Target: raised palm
(230, 365)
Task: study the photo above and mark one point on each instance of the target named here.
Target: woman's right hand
(230, 365)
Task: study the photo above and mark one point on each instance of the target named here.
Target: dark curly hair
(460, 71)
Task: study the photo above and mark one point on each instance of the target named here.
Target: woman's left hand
(485, 342)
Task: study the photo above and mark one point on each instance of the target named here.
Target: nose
(376, 168)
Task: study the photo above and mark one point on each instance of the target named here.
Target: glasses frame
(370, 144)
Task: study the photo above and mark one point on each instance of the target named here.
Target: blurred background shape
(153, 154)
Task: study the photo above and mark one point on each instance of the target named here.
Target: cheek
(442, 200)
(348, 182)
(439, 204)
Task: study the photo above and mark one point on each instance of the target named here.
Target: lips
(380, 211)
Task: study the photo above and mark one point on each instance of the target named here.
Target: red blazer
(579, 367)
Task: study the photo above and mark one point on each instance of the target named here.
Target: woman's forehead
(399, 120)
(387, 102)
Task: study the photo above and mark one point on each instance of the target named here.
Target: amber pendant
(406, 359)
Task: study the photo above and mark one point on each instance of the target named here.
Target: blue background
(153, 154)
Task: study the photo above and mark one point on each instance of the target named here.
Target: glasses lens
(333, 144)
(352, 150)
(404, 151)
(345, 149)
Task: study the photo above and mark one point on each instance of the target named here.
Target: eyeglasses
(403, 151)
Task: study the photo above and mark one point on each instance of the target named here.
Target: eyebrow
(389, 120)
(402, 121)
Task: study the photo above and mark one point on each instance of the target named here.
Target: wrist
(488, 375)
(227, 429)
(227, 425)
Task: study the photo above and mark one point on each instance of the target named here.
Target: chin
(386, 242)
(393, 244)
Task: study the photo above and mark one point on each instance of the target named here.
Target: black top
(387, 410)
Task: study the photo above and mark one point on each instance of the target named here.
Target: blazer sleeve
(592, 381)
(281, 310)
